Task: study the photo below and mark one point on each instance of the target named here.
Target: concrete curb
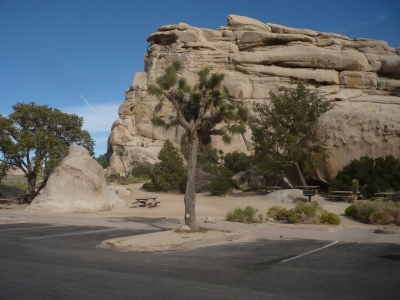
(110, 244)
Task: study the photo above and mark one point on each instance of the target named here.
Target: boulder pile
(361, 76)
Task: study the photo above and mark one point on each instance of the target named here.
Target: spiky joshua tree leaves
(282, 130)
(198, 110)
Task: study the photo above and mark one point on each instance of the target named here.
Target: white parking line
(318, 249)
(27, 228)
(76, 233)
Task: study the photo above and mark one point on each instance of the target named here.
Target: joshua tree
(198, 110)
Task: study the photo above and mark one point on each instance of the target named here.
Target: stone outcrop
(361, 76)
(76, 185)
(248, 180)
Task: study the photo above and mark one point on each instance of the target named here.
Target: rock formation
(361, 76)
(76, 185)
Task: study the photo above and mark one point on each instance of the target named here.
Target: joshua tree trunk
(190, 193)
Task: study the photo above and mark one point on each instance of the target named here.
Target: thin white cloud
(381, 17)
(87, 102)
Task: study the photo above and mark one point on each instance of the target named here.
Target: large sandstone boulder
(77, 185)
(248, 180)
(360, 76)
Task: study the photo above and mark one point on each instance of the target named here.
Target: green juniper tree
(282, 130)
(35, 138)
(198, 110)
(168, 174)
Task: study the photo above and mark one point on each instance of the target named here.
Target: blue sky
(80, 56)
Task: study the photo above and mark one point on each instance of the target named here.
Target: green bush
(246, 215)
(129, 180)
(377, 212)
(220, 186)
(102, 159)
(168, 175)
(223, 183)
(142, 170)
(113, 177)
(374, 175)
(237, 162)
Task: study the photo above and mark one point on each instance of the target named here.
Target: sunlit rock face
(76, 185)
(361, 76)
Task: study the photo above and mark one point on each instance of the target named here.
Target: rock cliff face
(361, 76)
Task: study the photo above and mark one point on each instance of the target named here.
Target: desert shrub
(142, 170)
(113, 178)
(378, 212)
(304, 213)
(220, 186)
(129, 180)
(277, 213)
(168, 175)
(329, 218)
(222, 183)
(381, 217)
(237, 161)
(374, 175)
(246, 215)
(102, 159)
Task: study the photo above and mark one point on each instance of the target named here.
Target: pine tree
(282, 130)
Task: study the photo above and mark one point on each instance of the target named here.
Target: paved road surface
(44, 261)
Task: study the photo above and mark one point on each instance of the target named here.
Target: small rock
(184, 228)
(209, 220)
(270, 219)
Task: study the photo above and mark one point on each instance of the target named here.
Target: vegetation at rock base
(282, 131)
(246, 215)
(304, 213)
(142, 170)
(199, 109)
(103, 161)
(35, 138)
(169, 174)
(238, 161)
(374, 175)
(375, 212)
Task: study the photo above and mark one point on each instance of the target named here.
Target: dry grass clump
(246, 215)
(375, 212)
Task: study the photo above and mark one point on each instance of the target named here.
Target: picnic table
(340, 195)
(5, 202)
(270, 189)
(382, 194)
(308, 187)
(146, 202)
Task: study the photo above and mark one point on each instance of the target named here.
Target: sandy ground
(172, 207)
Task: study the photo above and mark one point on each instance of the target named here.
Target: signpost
(309, 193)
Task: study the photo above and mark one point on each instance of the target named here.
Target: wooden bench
(5, 203)
(340, 195)
(146, 202)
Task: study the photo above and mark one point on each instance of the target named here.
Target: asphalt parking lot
(45, 261)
